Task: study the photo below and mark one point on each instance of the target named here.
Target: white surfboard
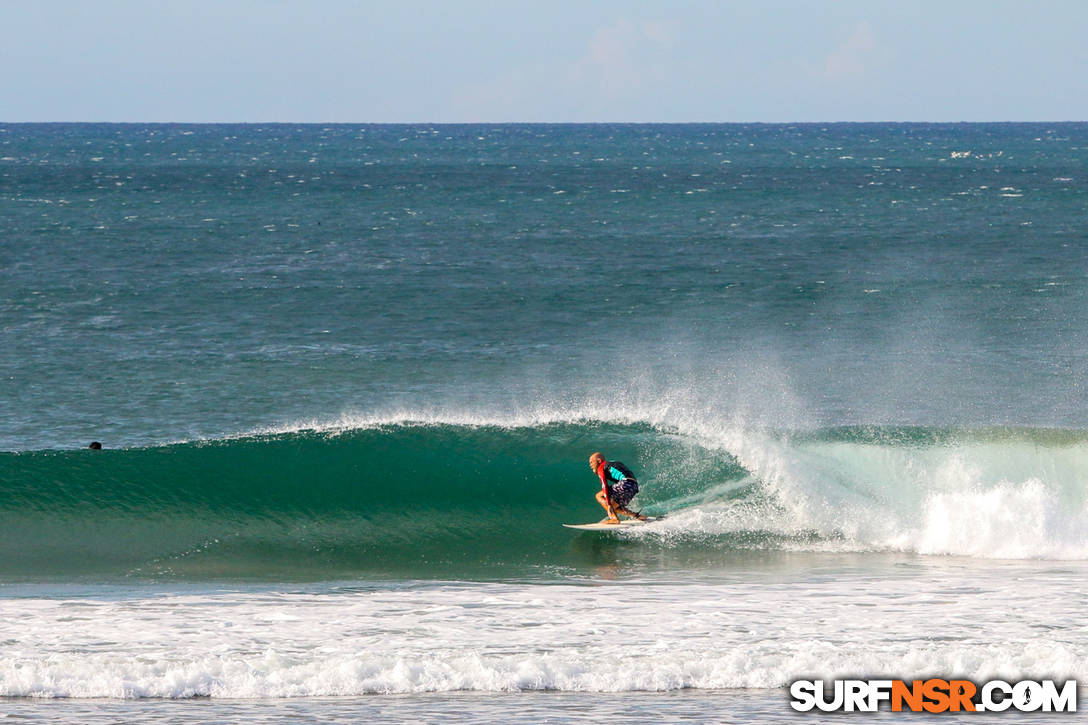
(624, 524)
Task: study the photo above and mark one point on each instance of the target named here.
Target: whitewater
(502, 637)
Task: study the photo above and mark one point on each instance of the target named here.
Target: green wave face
(398, 500)
(462, 501)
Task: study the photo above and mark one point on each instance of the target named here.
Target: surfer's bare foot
(609, 521)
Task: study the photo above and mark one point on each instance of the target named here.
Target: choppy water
(347, 378)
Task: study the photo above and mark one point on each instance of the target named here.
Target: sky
(454, 61)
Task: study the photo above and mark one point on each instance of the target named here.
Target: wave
(462, 498)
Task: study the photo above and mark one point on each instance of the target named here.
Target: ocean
(347, 378)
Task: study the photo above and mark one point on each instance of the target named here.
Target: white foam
(1009, 521)
(1008, 499)
(758, 629)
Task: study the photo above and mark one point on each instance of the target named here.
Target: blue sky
(517, 60)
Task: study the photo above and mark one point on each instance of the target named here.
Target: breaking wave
(458, 498)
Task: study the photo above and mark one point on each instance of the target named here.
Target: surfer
(618, 487)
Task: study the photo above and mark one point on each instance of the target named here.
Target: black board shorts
(622, 492)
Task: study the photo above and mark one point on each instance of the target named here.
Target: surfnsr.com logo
(933, 695)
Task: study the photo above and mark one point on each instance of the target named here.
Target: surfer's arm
(606, 500)
(607, 497)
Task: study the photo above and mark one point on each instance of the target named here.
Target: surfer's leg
(612, 518)
(622, 493)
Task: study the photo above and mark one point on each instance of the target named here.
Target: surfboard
(624, 524)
